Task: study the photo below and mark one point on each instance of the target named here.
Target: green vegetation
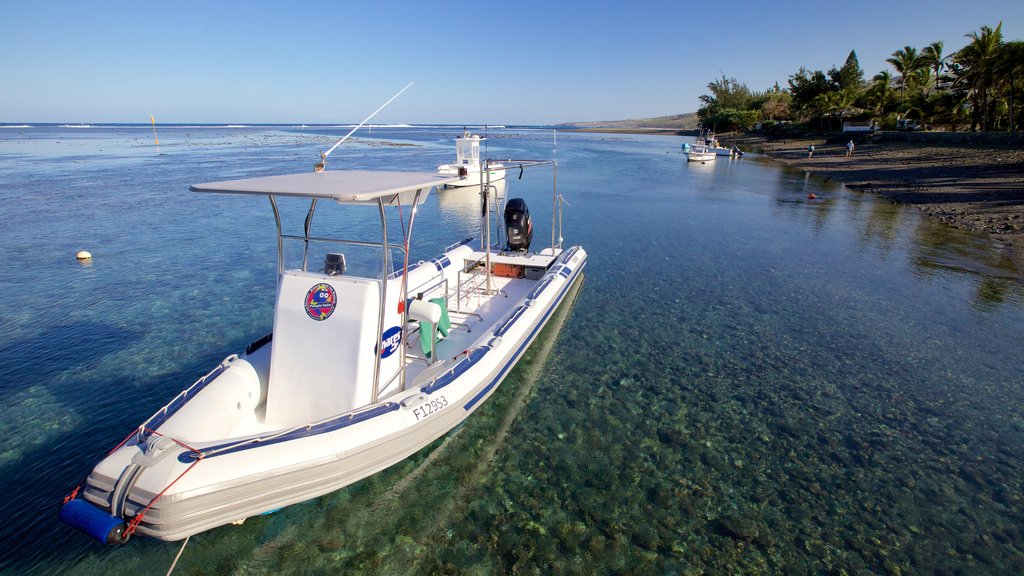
(977, 87)
(688, 121)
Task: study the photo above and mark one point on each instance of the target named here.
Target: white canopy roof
(342, 186)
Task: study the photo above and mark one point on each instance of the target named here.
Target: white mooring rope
(175, 563)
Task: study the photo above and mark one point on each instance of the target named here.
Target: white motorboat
(467, 164)
(698, 153)
(713, 145)
(360, 371)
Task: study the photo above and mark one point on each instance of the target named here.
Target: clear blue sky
(522, 62)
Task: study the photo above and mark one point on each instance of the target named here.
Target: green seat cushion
(444, 325)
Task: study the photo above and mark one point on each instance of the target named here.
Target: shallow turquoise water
(750, 381)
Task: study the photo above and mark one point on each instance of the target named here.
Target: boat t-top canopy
(343, 186)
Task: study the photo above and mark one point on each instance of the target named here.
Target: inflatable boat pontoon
(359, 371)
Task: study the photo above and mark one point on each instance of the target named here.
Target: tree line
(976, 87)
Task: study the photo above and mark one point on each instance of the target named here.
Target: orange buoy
(811, 196)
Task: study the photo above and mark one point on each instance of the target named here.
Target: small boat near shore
(467, 164)
(698, 153)
(372, 357)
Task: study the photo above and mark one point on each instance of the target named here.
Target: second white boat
(468, 167)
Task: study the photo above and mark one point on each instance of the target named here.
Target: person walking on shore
(849, 148)
(810, 150)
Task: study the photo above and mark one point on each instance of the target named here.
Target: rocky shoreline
(970, 184)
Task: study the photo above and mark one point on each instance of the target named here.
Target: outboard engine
(518, 226)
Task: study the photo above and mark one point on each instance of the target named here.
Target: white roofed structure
(344, 187)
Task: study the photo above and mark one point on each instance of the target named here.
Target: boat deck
(472, 308)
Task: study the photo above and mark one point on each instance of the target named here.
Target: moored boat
(370, 359)
(468, 166)
(698, 153)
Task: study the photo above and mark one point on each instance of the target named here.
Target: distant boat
(698, 153)
(467, 164)
(713, 145)
(359, 372)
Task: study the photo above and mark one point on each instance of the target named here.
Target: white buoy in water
(83, 255)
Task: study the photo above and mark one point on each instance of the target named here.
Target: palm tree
(881, 89)
(906, 61)
(976, 62)
(1009, 64)
(932, 54)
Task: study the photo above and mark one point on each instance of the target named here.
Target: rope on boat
(175, 563)
(135, 521)
(74, 493)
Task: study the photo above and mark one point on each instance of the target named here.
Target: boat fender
(90, 520)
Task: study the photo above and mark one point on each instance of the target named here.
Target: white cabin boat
(359, 372)
(713, 145)
(698, 153)
(467, 164)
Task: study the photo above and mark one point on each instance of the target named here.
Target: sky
(473, 62)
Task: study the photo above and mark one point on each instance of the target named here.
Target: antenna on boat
(319, 166)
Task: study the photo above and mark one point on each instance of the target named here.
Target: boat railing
(324, 425)
(479, 283)
(468, 268)
(556, 199)
(422, 290)
(342, 241)
(430, 284)
(168, 410)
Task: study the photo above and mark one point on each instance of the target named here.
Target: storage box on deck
(535, 272)
(508, 270)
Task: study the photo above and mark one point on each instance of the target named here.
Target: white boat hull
(193, 486)
(474, 176)
(702, 157)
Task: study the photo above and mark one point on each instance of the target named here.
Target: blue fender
(97, 523)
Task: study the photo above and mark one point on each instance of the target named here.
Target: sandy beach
(970, 185)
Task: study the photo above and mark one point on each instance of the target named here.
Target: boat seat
(434, 332)
(444, 325)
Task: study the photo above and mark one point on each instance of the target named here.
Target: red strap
(74, 493)
(138, 517)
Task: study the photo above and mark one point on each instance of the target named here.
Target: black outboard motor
(518, 226)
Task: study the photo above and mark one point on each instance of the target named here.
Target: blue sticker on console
(390, 341)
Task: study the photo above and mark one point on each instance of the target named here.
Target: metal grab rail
(342, 241)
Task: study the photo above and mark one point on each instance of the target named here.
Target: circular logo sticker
(321, 301)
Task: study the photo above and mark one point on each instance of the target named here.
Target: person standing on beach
(810, 150)
(849, 148)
